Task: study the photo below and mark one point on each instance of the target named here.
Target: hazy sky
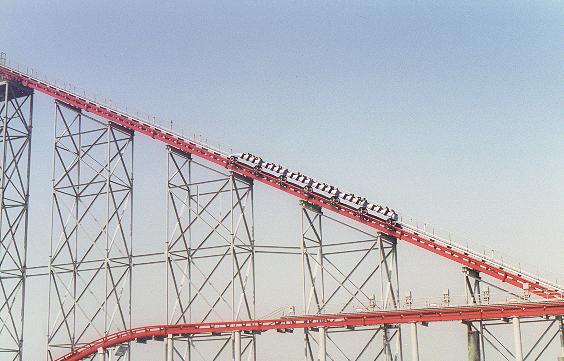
(448, 111)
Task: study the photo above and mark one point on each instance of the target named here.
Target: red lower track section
(476, 313)
(467, 259)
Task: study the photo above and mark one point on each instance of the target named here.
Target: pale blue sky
(450, 111)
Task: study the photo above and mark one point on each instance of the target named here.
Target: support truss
(90, 263)
(498, 340)
(16, 107)
(344, 275)
(210, 257)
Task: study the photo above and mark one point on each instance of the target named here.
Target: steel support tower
(16, 108)
(341, 274)
(210, 257)
(90, 262)
(485, 338)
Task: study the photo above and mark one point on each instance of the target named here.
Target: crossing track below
(288, 324)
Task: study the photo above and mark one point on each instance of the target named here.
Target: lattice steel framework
(16, 107)
(90, 263)
(210, 257)
(486, 342)
(344, 275)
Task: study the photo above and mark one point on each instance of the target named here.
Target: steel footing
(16, 108)
(344, 275)
(210, 257)
(90, 263)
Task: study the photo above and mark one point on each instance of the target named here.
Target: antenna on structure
(3, 58)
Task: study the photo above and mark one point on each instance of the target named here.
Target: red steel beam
(466, 258)
(466, 313)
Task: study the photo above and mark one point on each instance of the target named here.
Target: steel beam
(16, 109)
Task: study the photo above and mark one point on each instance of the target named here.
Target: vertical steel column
(472, 286)
(517, 339)
(101, 354)
(237, 348)
(322, 344)
(313, 278)
(210, 254)
(90, 263)
(389, 281)
(169, 348)
(561, 331)
(473, 297)
(414, 343)
(16, 109)
(341, 275)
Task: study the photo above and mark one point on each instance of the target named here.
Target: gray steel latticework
(485, 342)
(344, 274)
(16, 108)
(90, 262)
(210, 257)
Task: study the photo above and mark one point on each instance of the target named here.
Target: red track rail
(466, 258)
(475, 313)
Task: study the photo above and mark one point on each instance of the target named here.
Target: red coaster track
(471, 259)
(466, 313)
